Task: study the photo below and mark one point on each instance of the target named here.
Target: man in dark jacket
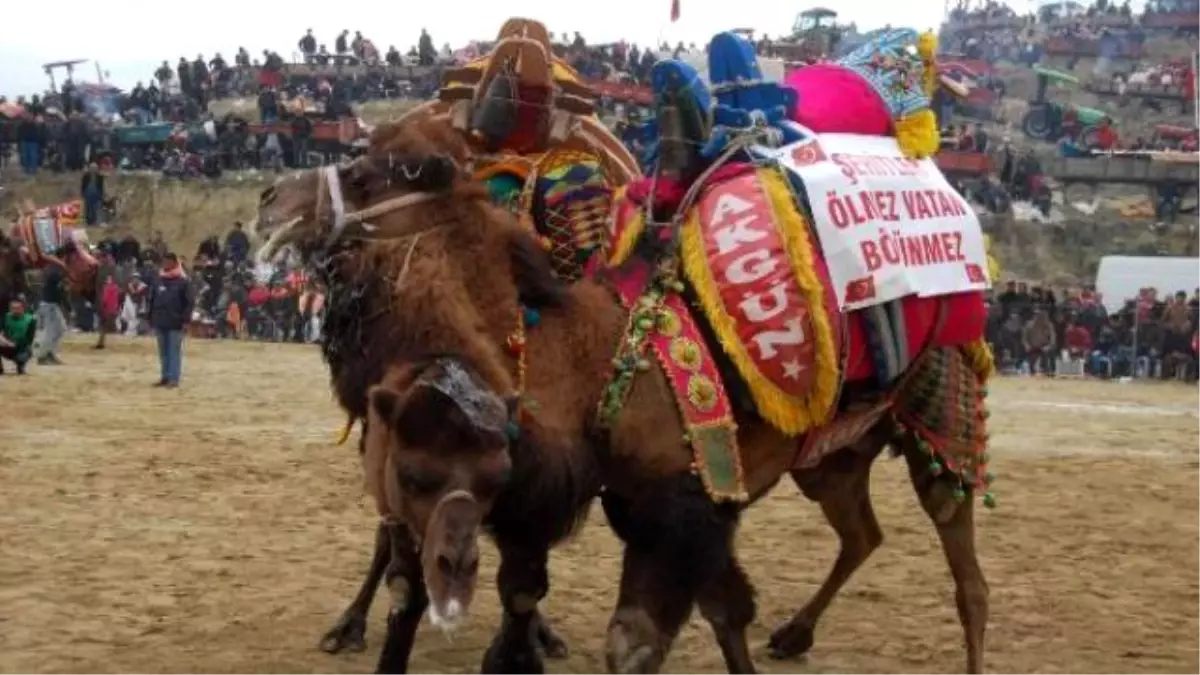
(200, 81)
(16, 335)
(308, 46)
(302, 131)
(237, 244)
(30, 137)
(184, 70)
(91, 188)
(75, 138)
(171, 301)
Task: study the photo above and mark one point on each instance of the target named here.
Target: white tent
(1120, 277)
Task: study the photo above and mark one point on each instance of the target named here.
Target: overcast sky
(130, 38)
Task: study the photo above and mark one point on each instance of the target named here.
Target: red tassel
(674, 10)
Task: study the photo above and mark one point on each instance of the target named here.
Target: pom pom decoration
(882, 88)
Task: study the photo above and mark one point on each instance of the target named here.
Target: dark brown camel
(12, 275)
(679, 547)
(364, 332)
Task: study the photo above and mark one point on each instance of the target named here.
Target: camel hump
(528, 29)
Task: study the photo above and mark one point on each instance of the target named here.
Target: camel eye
(417, 482)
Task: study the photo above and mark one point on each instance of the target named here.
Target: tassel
(917, 134)
(345, 433)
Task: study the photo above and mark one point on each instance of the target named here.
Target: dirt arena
(216, 528)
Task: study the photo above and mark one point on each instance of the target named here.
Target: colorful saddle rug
(48, 229)
(563, 195)
(762, 282)
(748, 251)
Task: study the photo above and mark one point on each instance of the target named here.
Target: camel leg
(349, 632)
(523, 580)
(101, 324)
(103, 330)
(955, 523)
(841, 485)
(677, 543)
(728, 605)
(406, 584)
(551, 644)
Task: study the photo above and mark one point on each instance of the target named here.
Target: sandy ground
(215, 528)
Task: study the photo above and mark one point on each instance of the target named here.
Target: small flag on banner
(674, 10)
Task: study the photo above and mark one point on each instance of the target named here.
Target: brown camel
(365, 331)
(12, 274)
(553, 128)
(82, 273)
(478, 270)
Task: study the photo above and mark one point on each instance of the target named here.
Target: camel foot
(348, 634)
(630, 649)
(550, 643)
(790, 640)
(507, 656)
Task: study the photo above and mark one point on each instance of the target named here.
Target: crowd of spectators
(64, 129)
(1034, 330)
(227, 296)
(1021, 38)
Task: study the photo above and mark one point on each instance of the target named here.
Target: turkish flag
(674, 10)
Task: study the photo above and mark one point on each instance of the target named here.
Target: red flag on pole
(674, 10)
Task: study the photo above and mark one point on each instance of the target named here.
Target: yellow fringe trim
(979, 355)
(993, 262)
(794, 228)
(345, 434)
(787, 413)
(917, 134)
(628, 237)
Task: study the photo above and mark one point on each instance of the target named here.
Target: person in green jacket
(16, 335)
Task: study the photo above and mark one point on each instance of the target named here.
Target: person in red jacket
(1106, 136)
(1077, 340)
(110, 303)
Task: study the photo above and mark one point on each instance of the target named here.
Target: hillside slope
(185, 212)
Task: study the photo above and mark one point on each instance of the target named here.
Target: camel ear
(424, 414)
(385, 402)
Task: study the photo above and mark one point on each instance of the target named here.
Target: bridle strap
(329, 175)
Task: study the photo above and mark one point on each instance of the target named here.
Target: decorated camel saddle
(772, 268)
(51, 235)
(537, 140)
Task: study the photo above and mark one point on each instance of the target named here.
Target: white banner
(889, 226)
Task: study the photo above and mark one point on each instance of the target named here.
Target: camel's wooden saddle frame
(523, 51)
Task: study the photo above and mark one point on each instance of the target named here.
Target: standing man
(237, 244)
(50, 316)
(16, 335)
(30, 135)
(91, 188)
(171, 303)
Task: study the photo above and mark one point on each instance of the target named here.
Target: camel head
(408, 162)
(436, 458)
